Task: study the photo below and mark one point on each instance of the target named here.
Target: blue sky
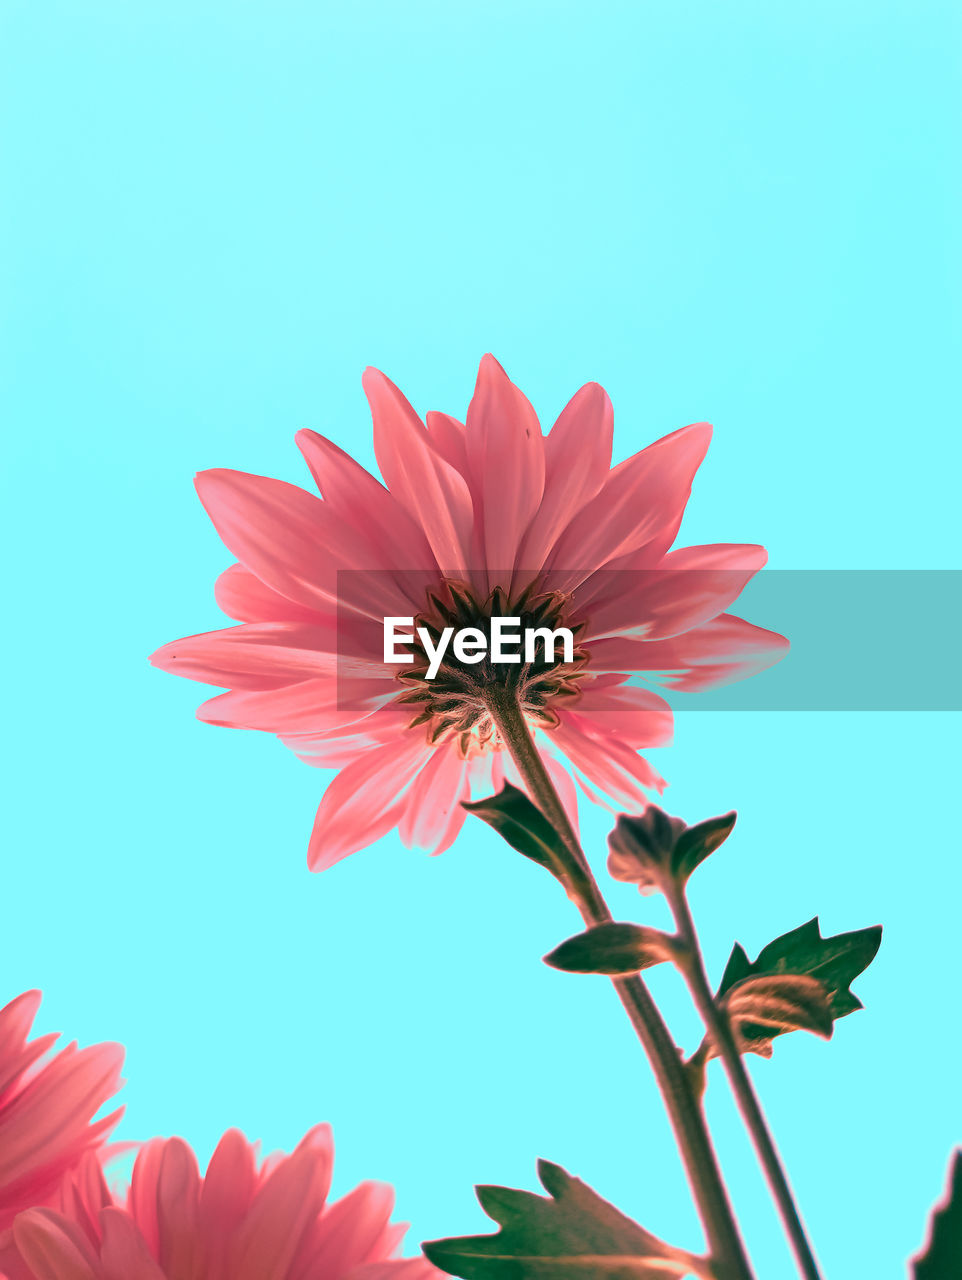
(215, 216)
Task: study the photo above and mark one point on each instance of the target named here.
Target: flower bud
(642, 846)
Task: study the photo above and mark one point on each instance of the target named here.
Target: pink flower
(47, 1105)
(486, 517)
(238, 1222)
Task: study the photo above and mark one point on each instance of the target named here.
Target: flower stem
(683, 1106)
(720, 1032)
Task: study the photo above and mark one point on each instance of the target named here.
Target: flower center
(454, 703)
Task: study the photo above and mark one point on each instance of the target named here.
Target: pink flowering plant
(482, 636)
(245, 1219)
(485, 633)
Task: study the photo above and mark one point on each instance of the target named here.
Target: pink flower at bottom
(47, 1105)
(238, 1222)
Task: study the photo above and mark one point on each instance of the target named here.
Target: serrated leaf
(614, 948)
(522, 824)
(696, 843)
(572, 1234)
(769, 1005)
(941, 1258)
(834, 961)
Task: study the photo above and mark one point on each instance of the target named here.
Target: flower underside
(580, 548)
(455, 704)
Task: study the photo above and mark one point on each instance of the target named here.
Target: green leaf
(766, 1006)
(612, 948)
(834, 961)
(520, 822)
(696, 843)
(573, 1234)
(942, 1257)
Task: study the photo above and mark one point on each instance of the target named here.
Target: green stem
(720, 1033)
(684, 1107)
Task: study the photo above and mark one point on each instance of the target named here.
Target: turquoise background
(215, 215)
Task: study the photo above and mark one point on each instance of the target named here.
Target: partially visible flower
(47, 1105)
(238, 1222)
(474, 520)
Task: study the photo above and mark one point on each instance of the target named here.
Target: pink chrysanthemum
(47, 1105)
(489, 516)
(238, 1222)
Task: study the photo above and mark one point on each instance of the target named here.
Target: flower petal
(294, 543)
(16, 1053)
(229, 1186)
(689, 587)
(433, 814)
(53, 1247)
(178, 1196)
(399, 1269)
(577, 455)
(622, 775)
(365, 800)
(628, 713)
(124, 1253)
(564, 785)
(448, 437)
(85, 1194)
(242, 595)
(343, 744)
(282, 1213)
(643, 499)
(55, 1107)
(310, 707)
(275, 529)
(255, 655)
(361, 501)
(16, 1019)
(506, 454)
(426, 486)
(349, 1233)
(722, 651)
